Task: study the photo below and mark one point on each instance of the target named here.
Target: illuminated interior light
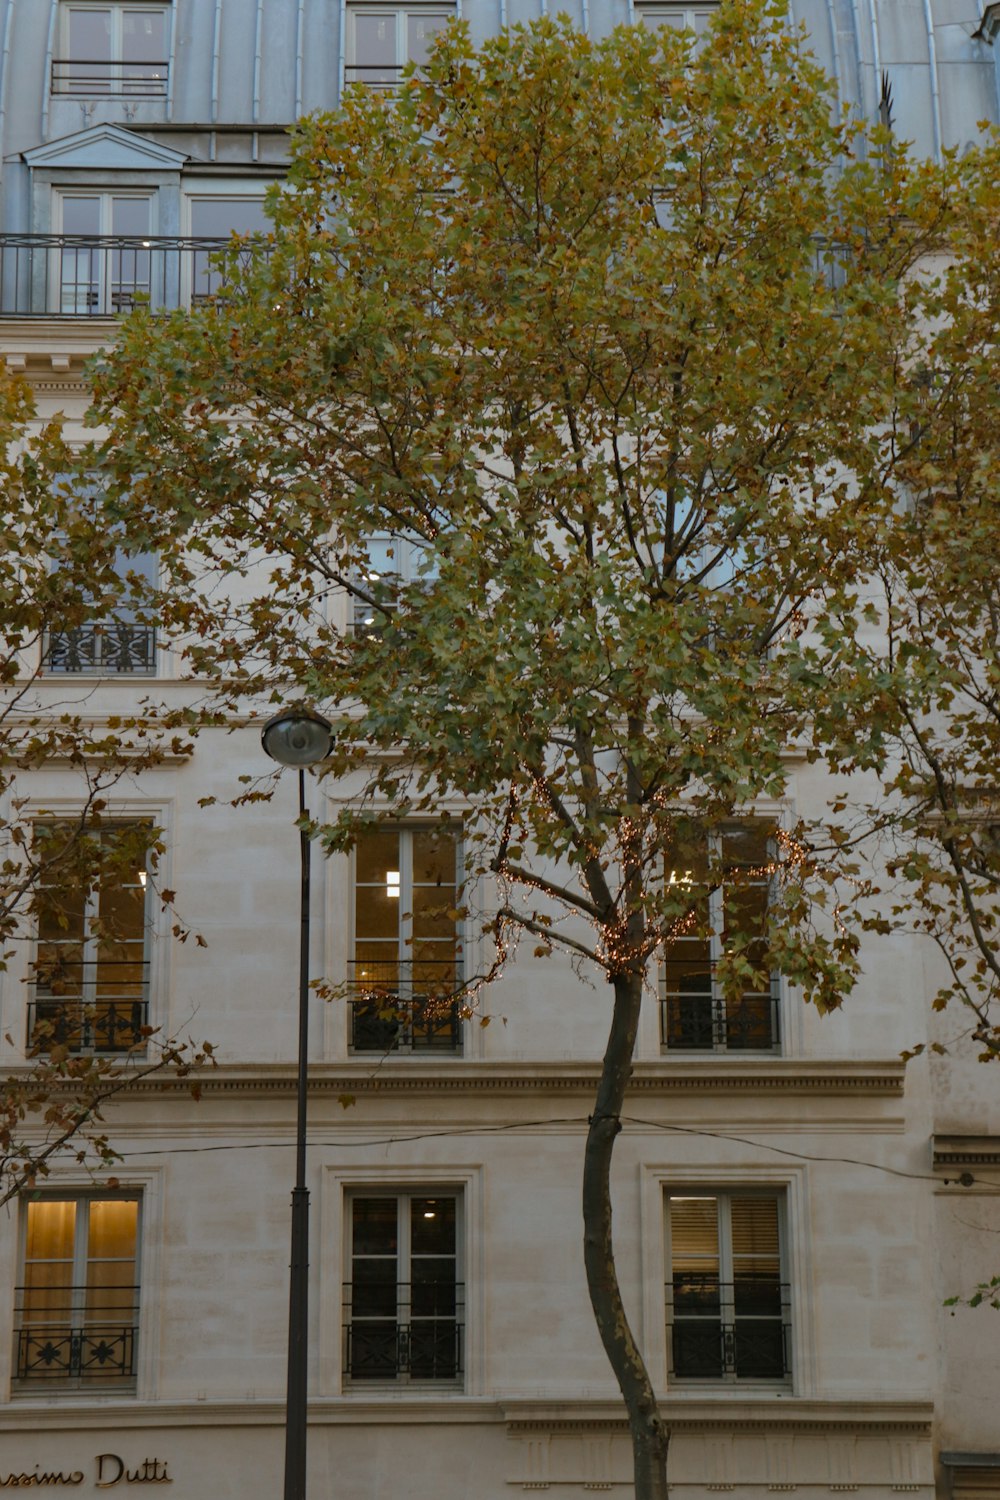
(142, 879)
(392, 883)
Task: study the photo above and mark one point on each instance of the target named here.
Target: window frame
(133, 1030)
(74, 1381)
(352, 69)
(117, 84)
(118, 270)
(714, 844)
(724, 1196)
(397, 1039)
(658, 12)
(403, 1195)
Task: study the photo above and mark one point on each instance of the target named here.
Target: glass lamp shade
(297, 738)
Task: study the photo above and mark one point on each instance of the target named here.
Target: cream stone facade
(133, 134)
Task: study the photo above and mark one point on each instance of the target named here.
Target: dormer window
(112, 50)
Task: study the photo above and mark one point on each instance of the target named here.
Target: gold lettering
(111, 1458)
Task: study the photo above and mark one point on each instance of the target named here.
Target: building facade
(792, 1204)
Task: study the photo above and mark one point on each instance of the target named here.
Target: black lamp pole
(299, 739)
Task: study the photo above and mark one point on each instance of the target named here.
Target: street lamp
(299, 738)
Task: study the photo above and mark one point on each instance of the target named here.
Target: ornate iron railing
(694, 1018)
(102, 648)
(394, 1007)
(64, 1333)
(103, 276)
(735, 1330)
(97, 77)
(100, 1006)
(404, 1331)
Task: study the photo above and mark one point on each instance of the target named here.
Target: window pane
(51, 1231)
(112, 1230)
(376, 854)
(375, 48)
(90, 35)
(144, 36)
(433, 858)
(217, 218)
(374, 1226)
(432, 1226)
(421, 30)
(81, 215)
(130, 216)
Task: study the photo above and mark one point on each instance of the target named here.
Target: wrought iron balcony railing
(89, 1007)
(102, 276)
(735, 1330)
(98, 78)
(405, 1006)
(404, 1331)
(102, 648)
(72, 1333)
(694, 1018)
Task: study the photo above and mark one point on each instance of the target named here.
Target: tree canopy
(557, 442)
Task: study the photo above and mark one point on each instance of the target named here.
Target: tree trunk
(649, 1436)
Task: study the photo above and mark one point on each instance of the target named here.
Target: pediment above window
(106, 148)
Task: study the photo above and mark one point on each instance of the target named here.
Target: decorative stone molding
(457, 1076)
(953, 1152)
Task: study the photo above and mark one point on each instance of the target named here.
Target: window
(76, 1315)
(392, 561)
(102, 265)
(407, 954)
(727, 1304)
(112, 50)
(213, 220)
(382, 39)
(694, 17)
(90, 986)
(695, 1015)
(404, 1302)
(122, 645)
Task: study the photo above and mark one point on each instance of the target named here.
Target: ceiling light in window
(392, 883)
(142, 879)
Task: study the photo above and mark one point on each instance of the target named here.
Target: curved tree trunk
(649, 1436)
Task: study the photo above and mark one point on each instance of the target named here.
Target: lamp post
(299, 738)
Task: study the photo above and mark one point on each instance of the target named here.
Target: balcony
(394, 1007)
(728, 1330)
(694, 1018)
(403, 1332)
(75, 1334)
(99, 1006)
(104, 276)
(102, 648)
(97, 78)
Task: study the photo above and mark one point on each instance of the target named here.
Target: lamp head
(297, 737)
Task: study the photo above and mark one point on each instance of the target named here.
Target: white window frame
(70, 1383)
(724, 1196)
(105, 296)
(118, 85)
(90, 1027)
(402, 1196)
(661, 12)
(404, 1045)
(401, 15)
(720, 1045)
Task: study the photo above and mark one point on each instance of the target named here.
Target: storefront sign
(109, 1470)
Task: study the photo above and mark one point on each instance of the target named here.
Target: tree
(61, 579)
(572, 368)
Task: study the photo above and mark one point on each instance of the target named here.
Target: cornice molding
(405, 1076)
(966, 1151)
(786, 1415)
